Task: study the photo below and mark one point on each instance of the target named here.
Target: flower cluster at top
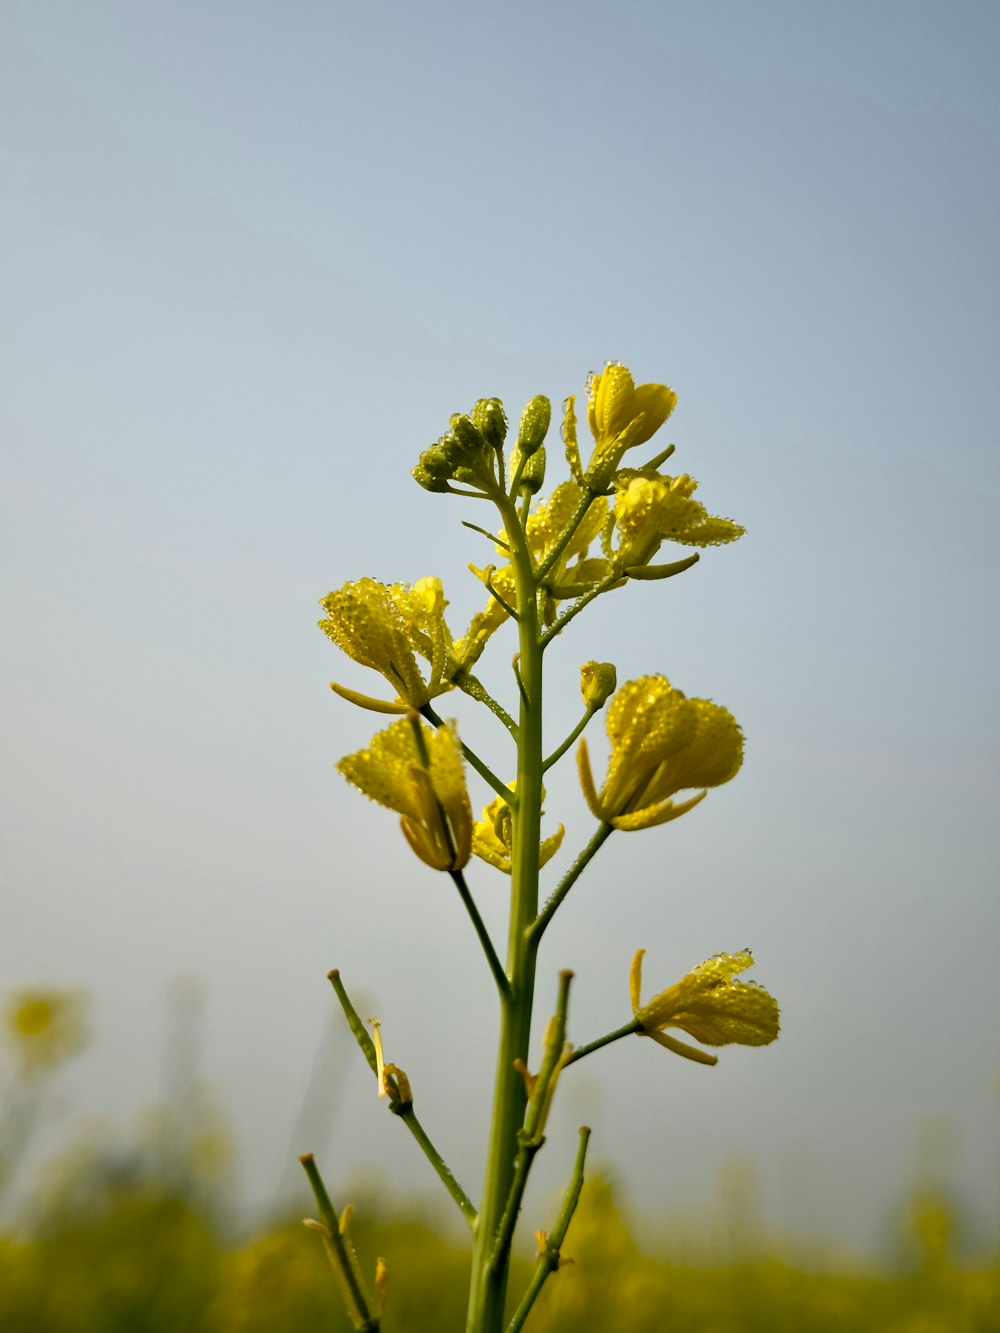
(600, 528)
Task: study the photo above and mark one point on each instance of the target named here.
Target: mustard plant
(597, 531)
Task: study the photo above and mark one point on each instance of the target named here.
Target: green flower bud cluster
(467, 453)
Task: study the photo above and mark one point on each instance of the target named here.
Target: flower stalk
(555, 556)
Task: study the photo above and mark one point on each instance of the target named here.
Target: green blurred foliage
(118, 1238)
(123, 1246)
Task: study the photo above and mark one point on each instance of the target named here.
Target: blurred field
(136, 1237)
(133, 1249)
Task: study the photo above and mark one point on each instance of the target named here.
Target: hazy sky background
(253, 257)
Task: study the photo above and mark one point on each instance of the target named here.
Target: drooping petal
(424, 784)
(712, 1006)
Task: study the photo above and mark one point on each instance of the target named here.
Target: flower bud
(534, 424)
(598, 681)
(533, 472)
(491, 420)
(423, 477)
(467, 434)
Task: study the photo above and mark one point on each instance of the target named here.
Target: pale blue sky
(254, 255)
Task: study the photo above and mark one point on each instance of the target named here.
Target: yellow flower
(661, 743)
(492, 837)
(709, 1005)
(386, 627)
(418, 773)
(614, 402)
(650, 509)
(46, 1026)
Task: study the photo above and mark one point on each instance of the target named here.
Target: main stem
(489, 1272)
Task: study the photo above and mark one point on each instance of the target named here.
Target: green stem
(354, 1021)
(404, 1111)
(559, 625)
(409, 1118)
(489, 1277)
(532, 1135)
(565, 537)
(548, 1259)
(475, 689)
(556, 755)
(496, 967)
(591, 1046)
(538, 927)
(470, 756)
(361, 1316)
(497, 541)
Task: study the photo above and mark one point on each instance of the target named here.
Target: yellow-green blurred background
(138, 1231)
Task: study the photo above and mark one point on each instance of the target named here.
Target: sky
(253, 258)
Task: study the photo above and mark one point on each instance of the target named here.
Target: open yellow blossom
(614, 401)
(661, 743)
(418, 773)
(387, 627)
(709, 1005)
(46, 1026)
(492, 837)
(650, 509)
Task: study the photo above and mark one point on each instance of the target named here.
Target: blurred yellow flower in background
(45, 1025)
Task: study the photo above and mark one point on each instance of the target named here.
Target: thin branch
(404, 1110)
(496, 596)
(537, 929)
(566, 536)
(520, 682)
(626, 1031)
(475, 689)
(470, 756)
(550, 1251)
(496, 967)
(408, 1116)
(497, 541)
(556, 755)
(337, 1250)
(559, 625)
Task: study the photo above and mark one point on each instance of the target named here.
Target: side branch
(404, 1110)
(475, 689)
(626, 1031)
(537, 928)
(340, 1257)
(496, 967)
(566, 536)
(559, 625)
(470, 756)
(556, 755)
(551, 1246)
(408, 1116)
